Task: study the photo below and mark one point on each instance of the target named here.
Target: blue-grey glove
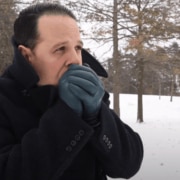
(82, 90)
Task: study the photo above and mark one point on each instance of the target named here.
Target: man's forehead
(57, 28)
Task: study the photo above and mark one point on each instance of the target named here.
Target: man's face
(59, 45)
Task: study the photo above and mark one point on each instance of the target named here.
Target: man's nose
(74, 57)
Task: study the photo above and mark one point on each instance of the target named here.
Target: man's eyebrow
(65, 42)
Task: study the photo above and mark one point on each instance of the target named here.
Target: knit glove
(82, 90)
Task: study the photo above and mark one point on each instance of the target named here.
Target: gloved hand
(81, 89)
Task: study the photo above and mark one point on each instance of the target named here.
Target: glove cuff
(93, 121)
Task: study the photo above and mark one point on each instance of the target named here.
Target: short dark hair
(25, 26)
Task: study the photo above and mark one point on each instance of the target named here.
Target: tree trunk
(7, 16)
(159, 81)
(172, 87)
(115, 61)
(140, 68)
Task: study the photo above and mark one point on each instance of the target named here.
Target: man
(55, 123)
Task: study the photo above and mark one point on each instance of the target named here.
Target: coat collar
(21, 70)
(93, 63)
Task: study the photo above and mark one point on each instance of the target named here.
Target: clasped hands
(82, 90)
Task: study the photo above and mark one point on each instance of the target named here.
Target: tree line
(143, 38)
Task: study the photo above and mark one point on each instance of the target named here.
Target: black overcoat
(41, 138)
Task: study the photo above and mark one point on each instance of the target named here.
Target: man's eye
(79, 48)
(60, 49)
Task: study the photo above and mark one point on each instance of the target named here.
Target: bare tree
(103, 19)
(173, 52)
(149, 23)
(116, 67)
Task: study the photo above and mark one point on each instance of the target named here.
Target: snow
(160, 134)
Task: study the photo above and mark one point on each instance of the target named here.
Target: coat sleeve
(118, 148)
(44, 152)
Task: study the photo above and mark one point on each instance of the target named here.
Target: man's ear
(26, 52)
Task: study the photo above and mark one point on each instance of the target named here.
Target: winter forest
(137, 41)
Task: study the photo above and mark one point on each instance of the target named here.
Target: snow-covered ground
(160, 134)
